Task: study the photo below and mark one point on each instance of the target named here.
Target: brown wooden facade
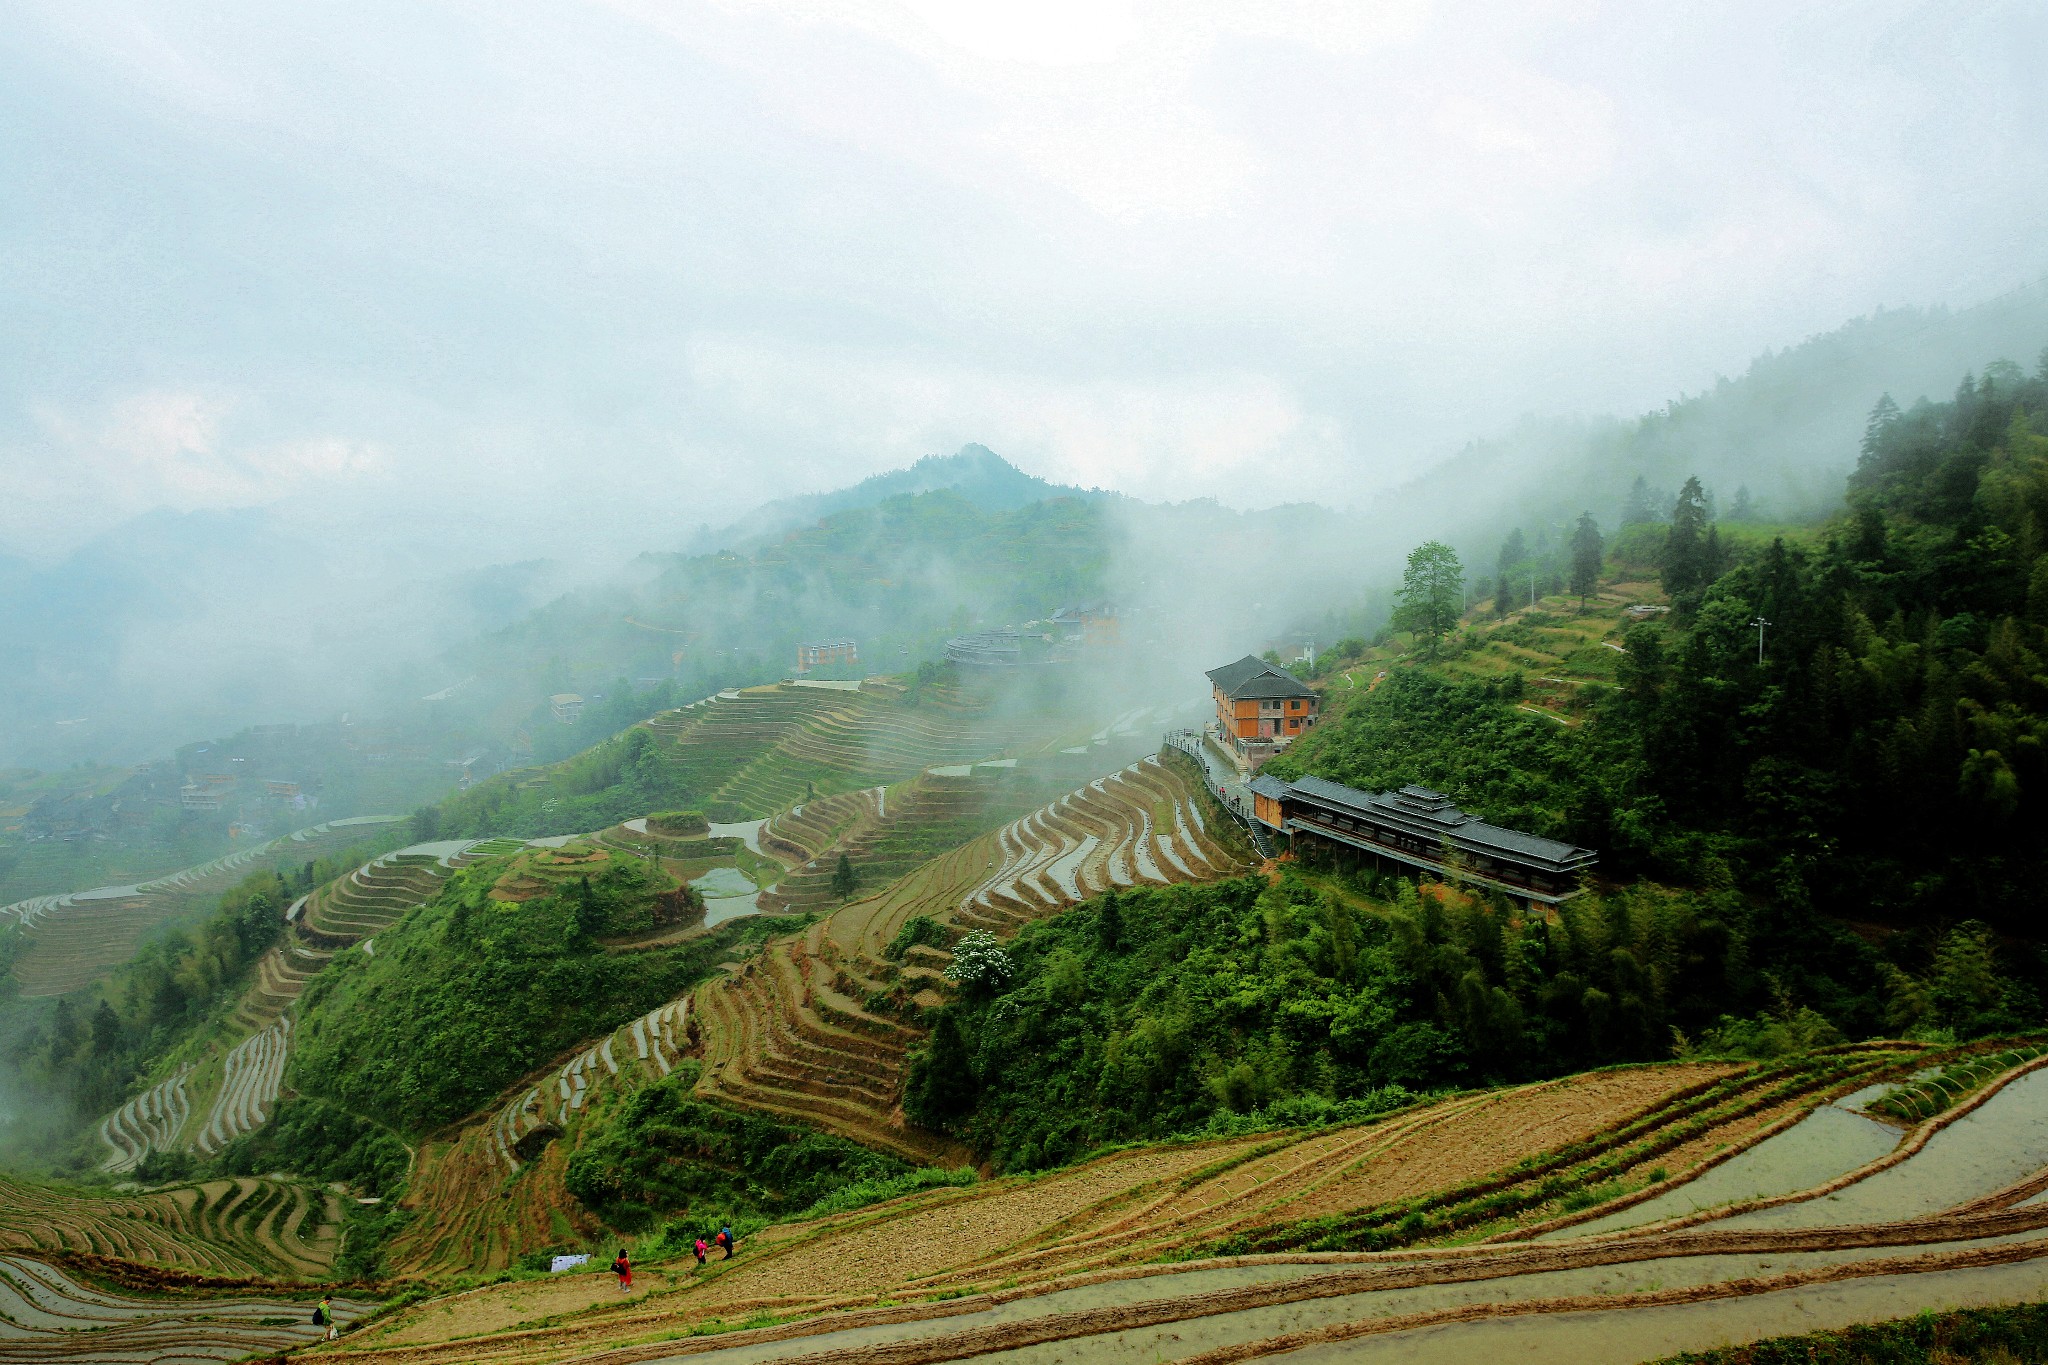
(1260, 709)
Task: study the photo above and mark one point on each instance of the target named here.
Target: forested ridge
(1882, 753)
(1835, 838)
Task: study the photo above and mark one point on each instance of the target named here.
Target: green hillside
(476, 989)
(900, 576)
(1821, 843)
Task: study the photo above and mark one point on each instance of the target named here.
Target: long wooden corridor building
(1419, 828)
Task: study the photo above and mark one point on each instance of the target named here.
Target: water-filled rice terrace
(47, 1315)
(241, 1227)
(1445, 1232)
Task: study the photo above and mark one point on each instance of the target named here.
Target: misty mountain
(1788, 428)
(976, 473)
(180, 624)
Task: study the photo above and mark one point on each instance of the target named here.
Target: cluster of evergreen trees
(1861, 714)
(1160, 1011)
(93, 1044)
(1522, 572)
(1869, 715)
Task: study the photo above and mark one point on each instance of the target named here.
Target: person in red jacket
(623, 1268)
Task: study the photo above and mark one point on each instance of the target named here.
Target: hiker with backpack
(323, 1316)
(725, 1240)
(623, 1268)
(700, 1249)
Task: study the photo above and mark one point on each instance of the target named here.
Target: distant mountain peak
(974, 472)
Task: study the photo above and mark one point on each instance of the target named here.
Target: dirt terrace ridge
(805, 1029)
(791, 1272)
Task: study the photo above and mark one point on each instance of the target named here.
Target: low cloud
(1172, 437)
(162, 448)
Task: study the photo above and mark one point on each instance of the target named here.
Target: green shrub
(917, 931)
(669, 1154)
(679, 824)
(310, 1137)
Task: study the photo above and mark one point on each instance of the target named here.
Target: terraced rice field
(886, 833)
(237, 1228)
(281, 977)
(1114, 1259)
(253, 1074)
(765, 749)
(352, 908)
(75, 937)
(794, 1031)
(238, 1090)
(495, 1192)
(1141, 826)
(646, 1049)
(811, 1028)
(47, 1316)
(152, 1120)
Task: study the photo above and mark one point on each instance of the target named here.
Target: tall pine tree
(1685, 544)
(1587, 549)
(1877, 428)
(1513, 551)
(1640, 507)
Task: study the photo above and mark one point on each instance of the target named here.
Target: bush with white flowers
(979, 963)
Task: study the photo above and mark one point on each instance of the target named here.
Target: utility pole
(1311, 651)
(1759, 623)
(1532, 589)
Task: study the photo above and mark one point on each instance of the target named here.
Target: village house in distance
(1260, 709)
(814, 655)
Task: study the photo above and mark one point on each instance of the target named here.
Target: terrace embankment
(74, 938)
(237, 1228)
(1105, 1260)
(47, 1315)
(818, 1026)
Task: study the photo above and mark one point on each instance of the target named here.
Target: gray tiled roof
(1420, 811)
(1252, 678)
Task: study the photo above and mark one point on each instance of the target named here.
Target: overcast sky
(638, 265)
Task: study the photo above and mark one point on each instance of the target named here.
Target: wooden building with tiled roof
(1260, 708)
(1418, 828)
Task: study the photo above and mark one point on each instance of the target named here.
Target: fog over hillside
(1364, 665)
(181, 624)
(317, 322)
